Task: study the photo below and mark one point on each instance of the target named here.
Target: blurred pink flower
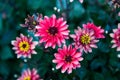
(116, 38)
(52, 31)
(81, 1)
(84, 40)
(67, 58)
(31, 22)
(29, 75)
(119, 14)
(24, 46)
(98, 32)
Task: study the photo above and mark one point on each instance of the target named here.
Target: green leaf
(81, 72)
(35, 4)
(1, 23)
(98, 76)
(4, 70)
(6, 53)
(77, 10)
(61, 4)
(5, 40)
(97, 63)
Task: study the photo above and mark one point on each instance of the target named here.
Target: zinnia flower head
(31, 22)
(29, 75)
(67, 58)
(52, 31)
(98, 32)
(24, 46)
(84, 40)
(116, 3)
(116, 38)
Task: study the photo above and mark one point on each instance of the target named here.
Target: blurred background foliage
(102, 64)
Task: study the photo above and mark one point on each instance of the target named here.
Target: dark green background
(101, 64)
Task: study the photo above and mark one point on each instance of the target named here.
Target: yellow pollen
(34, 22)
(24, 46)
(27, 78)
(85, 39)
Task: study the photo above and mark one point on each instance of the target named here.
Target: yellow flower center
(24, 46)
(85, 39)
(27, 78)
(34, 23)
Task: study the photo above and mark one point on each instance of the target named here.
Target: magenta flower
(52, 31)
(29, 75)
(24, 46)
(98, 32)
(67, 58)
(116, 38)
(84, 40)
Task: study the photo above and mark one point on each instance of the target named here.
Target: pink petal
(13, 42)
(22, 36)
(77, 55)
(113, 41)
(118, 48)
(69, 70)
(15, 48)
(63, 23)
(54, 19)
(75, 62)
(114, 45)
(64, 68)
(34, 52)
(73, 36)
(80, 59)
(81, 1)
(111, 35)
(119, 25)
(29, 56)
(63, 28)
(93, 45)
(114, 30)
(19, 55)
(35, 43)
(59, 65)
(55, 61)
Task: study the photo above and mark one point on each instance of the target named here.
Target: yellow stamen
(27, 78)
(85, 39)
(34, 22)
(24, 46)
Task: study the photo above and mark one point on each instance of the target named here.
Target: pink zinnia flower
(24, 46)
(67, 58)
(98, 32)
(84, 40)
(52, 31)
(116, 38)
(29, 75)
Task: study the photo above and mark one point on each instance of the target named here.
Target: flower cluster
(87, 37)
(53, 32)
